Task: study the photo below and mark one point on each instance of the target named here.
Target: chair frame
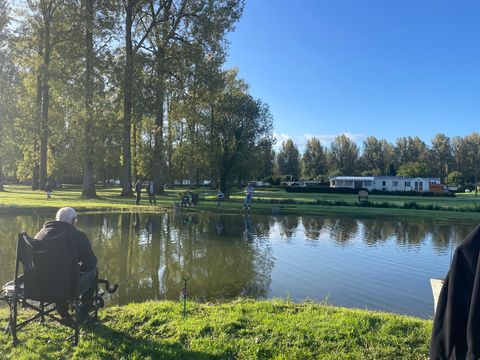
(14, 295)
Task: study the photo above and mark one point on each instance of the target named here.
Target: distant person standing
(138, 190)
(249, 190)
(220, 198)
(48, 190)
(151, 192)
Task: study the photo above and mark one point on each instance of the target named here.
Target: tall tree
(45, 22)
(133, 10)
(240, 123)
(5, 81)
(410, 149)
(265, 156)
(376, 156)
(442, 155)
(473, 146)
(344, 155)
(460, 154)
(47, 11)
(88, 178)
(288, 159)
(186, 30)
(313, 159)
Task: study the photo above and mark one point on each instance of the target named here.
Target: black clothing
(87, 289)
(194, 199)
(85, 253)
(456, 329)
(138, 186)
(86, 258)
(138, 190)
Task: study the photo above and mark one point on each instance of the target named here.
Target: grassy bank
(242, 329)
(19, 199)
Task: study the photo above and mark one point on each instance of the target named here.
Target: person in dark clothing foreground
(456, 328)
(64, 226)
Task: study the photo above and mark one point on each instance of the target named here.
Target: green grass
(18, 199)
(243, 329)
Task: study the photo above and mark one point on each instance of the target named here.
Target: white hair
(66, 214)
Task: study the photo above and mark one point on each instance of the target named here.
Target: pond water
(365, 263)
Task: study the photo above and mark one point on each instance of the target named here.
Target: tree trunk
(169, 146)
(223, 183)
(2, 179)
(88, 176)
(38, 120)
(127, 104)
(158, 133)
(45, 104)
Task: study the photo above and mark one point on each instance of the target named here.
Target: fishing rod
(131, 277)
(184, 295)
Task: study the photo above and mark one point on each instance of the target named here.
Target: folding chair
(51, 276)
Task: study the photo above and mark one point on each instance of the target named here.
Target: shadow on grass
(120, 344)
(96, 342)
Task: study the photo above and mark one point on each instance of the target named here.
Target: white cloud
(326, 140)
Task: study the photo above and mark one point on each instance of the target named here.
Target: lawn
(18, 199)
(242, 329)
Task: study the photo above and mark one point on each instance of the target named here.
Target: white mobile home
(384, 183)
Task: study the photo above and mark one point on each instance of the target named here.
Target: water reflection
(226, 256)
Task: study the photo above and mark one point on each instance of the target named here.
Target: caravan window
(418, 185)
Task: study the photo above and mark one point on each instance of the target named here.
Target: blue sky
(362, 67)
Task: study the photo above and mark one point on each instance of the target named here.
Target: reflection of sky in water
(342, 264)
(366, 263)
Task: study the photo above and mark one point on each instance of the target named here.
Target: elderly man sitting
(65, 226)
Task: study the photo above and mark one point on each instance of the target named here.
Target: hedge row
(406, 205)
(329, 190)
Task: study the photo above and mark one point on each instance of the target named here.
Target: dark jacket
(456, 329)
(138, 186)
(87, 258)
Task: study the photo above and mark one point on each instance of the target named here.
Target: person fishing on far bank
(249, 190)
(151, 189)
(138, 190)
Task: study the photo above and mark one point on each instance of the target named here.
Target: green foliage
(288, 159)
(455, 178)
(344, 155)
(413, 169)
(442, 154)
(376, 156)
(314, 159)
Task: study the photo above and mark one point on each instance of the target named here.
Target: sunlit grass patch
(242, 329)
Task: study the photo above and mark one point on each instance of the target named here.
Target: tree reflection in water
(150, 260)
(225, 256)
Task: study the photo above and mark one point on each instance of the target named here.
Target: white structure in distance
(384, 183)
